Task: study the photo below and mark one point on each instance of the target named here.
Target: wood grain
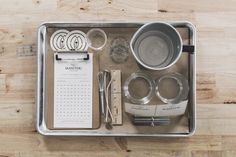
(216, 75)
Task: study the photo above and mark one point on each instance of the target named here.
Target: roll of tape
(76, 40)
(57, 40)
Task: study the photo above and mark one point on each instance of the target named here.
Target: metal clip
(73, 59)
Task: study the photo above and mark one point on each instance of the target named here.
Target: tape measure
(116, 101)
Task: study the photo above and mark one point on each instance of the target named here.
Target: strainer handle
(189, 48)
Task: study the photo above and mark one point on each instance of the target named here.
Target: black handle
(85, 58)
(189, 48)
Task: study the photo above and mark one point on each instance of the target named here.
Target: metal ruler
(116, 102)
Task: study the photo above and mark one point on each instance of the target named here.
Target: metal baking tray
(41, 91)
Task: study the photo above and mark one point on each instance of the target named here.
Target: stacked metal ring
(63, 40)
(183, 86)
(151, 87)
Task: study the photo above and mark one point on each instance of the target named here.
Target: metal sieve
(181, 83)
(150, 85)
(156, 46)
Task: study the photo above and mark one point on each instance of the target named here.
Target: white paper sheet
(73, 92)
(156, 110)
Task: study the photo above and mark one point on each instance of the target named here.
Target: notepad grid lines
(73, 96)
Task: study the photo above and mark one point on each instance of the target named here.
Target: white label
(156, 110)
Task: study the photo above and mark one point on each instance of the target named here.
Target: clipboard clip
(72, 59)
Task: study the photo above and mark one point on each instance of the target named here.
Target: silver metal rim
(90, 42)
(140, 62)
(150, 82)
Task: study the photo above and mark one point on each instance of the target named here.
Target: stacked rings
(76, 40)
(57, 40)
(63, 40)
(151, 86)
(180, 81)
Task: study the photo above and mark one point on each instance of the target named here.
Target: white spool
(57, 40)
(76, 40)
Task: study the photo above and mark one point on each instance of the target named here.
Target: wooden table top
(216, 74)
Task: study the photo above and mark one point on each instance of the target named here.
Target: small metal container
(156, 45)
(97, 39)
(150, 83)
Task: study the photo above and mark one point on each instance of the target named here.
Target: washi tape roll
(76, 41)
(119, 53)
(57, 40)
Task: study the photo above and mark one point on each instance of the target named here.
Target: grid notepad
(73, 92)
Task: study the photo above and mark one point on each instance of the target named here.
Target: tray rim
(40, 94)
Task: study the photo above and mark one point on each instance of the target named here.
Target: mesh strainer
(156, 46)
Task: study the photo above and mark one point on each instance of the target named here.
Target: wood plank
(217, 19)
(26, 142)
(189, 6)
(19, 82)
(216, 111)
(193, 143)
(207, 153)
(216, 86)
(17, 117)
(26, 6)
(67, 154)
(216, 127)
(159, 153)
(229, 142)
(214, 153)
(17, 97)
(229, 153)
